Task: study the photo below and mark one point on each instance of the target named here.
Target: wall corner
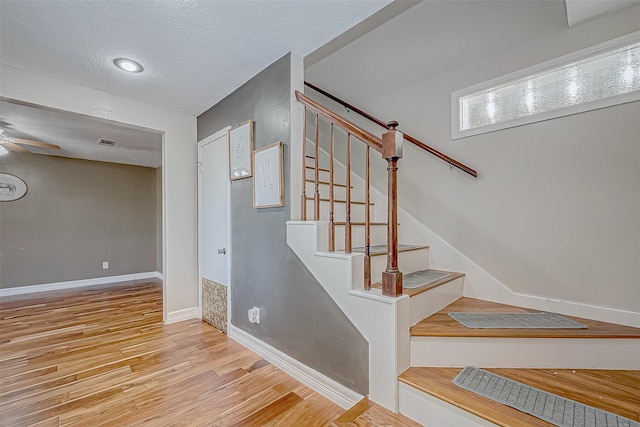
(297, 130)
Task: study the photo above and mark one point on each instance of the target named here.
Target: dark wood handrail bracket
(415, 141)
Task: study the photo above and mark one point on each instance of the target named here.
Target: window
(601, 76)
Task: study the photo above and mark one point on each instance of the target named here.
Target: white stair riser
(427, 303)
(339, 211)
(561, 353)
(378, 236)
(433, 412)
(408, 262)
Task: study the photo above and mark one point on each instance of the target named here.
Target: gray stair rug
(547, 406)
(422, 278)
(515, 321)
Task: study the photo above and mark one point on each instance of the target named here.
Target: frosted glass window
(596, 81)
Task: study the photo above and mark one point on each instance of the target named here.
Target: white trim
(296, 121)
(456, 133)
(332, 390)
(21, 290)
(433, 412)
(184, 314)
(222, 132)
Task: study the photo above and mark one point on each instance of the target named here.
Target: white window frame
(456, 119)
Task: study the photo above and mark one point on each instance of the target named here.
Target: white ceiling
(78, 135)
(194, 52)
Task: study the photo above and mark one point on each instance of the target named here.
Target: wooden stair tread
(335, 184)
(420, 289)
(609, 390)
(377, 250)
(441, 325)
(322, 199)
(368, 413)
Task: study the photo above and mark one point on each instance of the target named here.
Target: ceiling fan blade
(37, 143)
(14, 147)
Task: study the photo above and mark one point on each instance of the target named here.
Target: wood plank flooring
(613, 391)
(366, 413)
(441, 325)
(101, 356)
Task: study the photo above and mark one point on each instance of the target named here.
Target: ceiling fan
(16, 144)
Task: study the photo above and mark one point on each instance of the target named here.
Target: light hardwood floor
(102, 356)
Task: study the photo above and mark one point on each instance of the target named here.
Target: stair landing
(613, 391)
(441, 325)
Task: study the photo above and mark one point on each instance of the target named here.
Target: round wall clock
(11, 187)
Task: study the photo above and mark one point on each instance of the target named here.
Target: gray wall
(75, 215)
(297, 316)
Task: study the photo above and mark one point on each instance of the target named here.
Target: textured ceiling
(194, 52)
(78, 135)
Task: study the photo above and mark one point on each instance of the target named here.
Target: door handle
(222, 251)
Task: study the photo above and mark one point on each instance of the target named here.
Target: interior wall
(178, 171)
(554, 211)
(297, 316)
(75, 215)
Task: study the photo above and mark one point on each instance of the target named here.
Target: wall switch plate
(105, 265)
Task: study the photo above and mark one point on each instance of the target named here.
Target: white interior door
(213, 210)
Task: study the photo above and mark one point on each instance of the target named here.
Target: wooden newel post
(392, 151)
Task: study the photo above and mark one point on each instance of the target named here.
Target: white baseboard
(332, 390)
(184, 314)
(20, 290)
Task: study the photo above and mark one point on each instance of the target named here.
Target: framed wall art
(240, 148)
(11, 187)
(268, 182)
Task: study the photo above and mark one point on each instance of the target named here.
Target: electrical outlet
(105, 265)
(254, 315)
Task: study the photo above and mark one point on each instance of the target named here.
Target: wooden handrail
(353, 129)
(438, 154)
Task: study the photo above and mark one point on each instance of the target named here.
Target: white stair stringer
(561, 353)
(383, 321)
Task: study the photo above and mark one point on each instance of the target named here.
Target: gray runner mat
(422, 278)
(546, 406)
(515, 321)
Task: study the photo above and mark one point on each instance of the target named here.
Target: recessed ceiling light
(128, 65)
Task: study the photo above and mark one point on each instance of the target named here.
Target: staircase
(383, 276)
